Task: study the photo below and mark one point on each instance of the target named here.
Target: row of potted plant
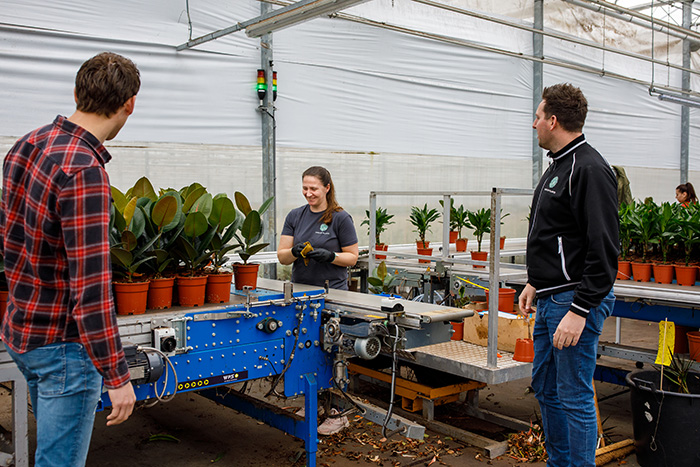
(661, 238)
(478, 221)
(180, 237)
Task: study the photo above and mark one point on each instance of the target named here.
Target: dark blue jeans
(563, 382)
(64, 387)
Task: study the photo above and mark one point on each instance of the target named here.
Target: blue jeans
(563, 382)
(64, 387)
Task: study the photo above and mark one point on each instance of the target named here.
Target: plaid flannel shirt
(54, 222)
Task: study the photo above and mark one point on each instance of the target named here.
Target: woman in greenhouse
(319, 238)
(685, 194)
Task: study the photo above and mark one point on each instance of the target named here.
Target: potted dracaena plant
(421, 218)
(251, 231)
(460, 217)
(382, 220)
(480, 221)
(643, 219)
(454, 229)
(624, 267)
(664, 231)
(687, 235)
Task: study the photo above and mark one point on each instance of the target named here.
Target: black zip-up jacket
(574, 227)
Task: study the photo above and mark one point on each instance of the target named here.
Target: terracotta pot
(426, 252)
(694, 345)
(663, 273)
(461, 244)
(131, 297)
(524, 350)
(686, 275)
(219, 287)
(641, 272)
(506, 299)
(503, 242)
(381, 247)
(480, 256)
(425, 244)
(245, 274)
(624, 270)
(191, 290)
(160, 293)
(3, 304)
(453, 236)
(458, 327)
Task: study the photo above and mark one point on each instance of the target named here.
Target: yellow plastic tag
(667, 339)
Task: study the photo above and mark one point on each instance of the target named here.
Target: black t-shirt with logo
(305, 226)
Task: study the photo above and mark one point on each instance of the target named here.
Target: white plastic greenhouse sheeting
(351, 97)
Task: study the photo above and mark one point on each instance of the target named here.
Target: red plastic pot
(461, 244)
(245, 274)
(191, 290)
(131, 297)
(426, 252)
(381, 247)
(160, 293)
(506, 299)
(624, 270)
(641, 272)
(219, 287)
(480, 256)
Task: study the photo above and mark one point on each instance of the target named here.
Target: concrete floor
(205, 433)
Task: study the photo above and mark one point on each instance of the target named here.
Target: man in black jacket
(572, 250)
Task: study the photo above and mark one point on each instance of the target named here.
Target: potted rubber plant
(382, 220)
(251, 231)
(480, 222)
(225, 221)
(421, 218)
(663, 234)
(687, 235)
(381, 282)
(192, 249)
(128, 252)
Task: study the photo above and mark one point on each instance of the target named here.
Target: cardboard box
(510, 328)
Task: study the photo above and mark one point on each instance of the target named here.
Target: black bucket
(666, 423)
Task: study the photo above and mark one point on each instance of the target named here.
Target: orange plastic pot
(663, 273)
(694, 345)
(131, 297)
(453, 236)
(191, 290)
(506, 299)
(219, 287)
(480, 256)
(3, 304)
(381, 247)
(424, 244)
(524, 350)
(624, 270)
(461, 244)
(502, 242)
(458, 333)
(426, 252)
(641, 272)
(686, 275)
(160, 293)
(245, 274)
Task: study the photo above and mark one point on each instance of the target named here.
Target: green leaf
(203, 204)
(252, 226)
(195, 224)
(129, 210)
(264, 207)
(242, 203)
(129, 240)
(143, 189)
(119, 199)
(223, 213)
(192, 197)
(121, 257)
(164, 211)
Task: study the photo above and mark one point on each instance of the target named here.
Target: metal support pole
(494, 273)
(537, 86)
(447, 205)
(267, 113)
(372, 230)
(685, 84)
(311, 411)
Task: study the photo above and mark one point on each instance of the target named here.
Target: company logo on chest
(552, 184)
(323, 230)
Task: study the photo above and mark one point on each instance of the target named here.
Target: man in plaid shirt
(60, 327)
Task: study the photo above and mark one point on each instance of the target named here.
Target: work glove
(296, 249)
(321, 255)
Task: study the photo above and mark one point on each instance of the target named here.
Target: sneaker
(333, 425)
